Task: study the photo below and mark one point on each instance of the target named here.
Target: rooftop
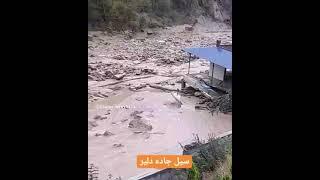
(215, 55)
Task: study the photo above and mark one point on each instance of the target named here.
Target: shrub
(93, 11)
(194, 173)
(133, 26)
(143, 6)
(122, 15)
(142, 22)
(163, 7)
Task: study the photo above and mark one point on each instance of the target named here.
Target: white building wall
(218, 71)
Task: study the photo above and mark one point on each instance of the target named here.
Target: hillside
(120, 15)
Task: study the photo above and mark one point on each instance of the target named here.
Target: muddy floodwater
(116, 154)
(126, 116)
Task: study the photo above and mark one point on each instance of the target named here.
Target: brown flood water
(170, 123)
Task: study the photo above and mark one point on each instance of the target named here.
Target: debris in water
(118, 57)
(157, 133)
(103, 118)
(189, 90)
(201, 107)
(92, 124)
(116, 88)
(173, 104)
(139, 98)
(93, 172)
(147, 136)
(161, 87)
(203, 101)
(118, 145)
(142, 85)
(222, 103)
(115, 123)
(124, 120)
(98, 134)
(137, 132)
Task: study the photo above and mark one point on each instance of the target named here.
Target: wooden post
(183, 84)
(212, 74)
(218, 43)
(189, 62)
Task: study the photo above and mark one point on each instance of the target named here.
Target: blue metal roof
(213, 54)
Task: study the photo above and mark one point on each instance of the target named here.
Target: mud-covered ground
(128, 117)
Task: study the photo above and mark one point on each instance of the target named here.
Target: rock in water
(107, 133)
(140, 86)
(135, 114)
(138, 71)
(197, 94)
(139, 124)
(119, 76)
(136, 62)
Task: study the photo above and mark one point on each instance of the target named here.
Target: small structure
(220, 70)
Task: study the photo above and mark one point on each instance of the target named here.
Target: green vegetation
(211, 161)
(214, 157)
(193, 173)
(224, 171)
(120, 15)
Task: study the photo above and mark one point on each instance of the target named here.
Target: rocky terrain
(160, 53)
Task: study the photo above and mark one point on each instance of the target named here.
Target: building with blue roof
(220, 58)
